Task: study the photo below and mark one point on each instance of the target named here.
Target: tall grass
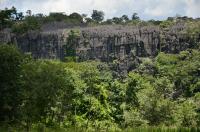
(162, 129)
(136, 129)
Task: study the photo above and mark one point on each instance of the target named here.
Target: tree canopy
(161, 91)
(97, 15)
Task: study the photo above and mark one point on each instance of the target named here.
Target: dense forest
(160, 94)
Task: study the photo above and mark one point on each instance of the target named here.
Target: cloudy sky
(147, 9)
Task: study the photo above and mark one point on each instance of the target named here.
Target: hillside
(71, 73)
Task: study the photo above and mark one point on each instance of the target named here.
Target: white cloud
(163, 7)
(193, 8)
(110, 7)
(1, 1)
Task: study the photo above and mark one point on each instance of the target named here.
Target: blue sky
(147, 9)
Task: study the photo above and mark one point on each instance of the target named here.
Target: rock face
(39, 44)
(106, 43)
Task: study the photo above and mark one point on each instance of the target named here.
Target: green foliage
(10, 18)
(30, 23)
(192, 31)
(193, 27)
(11, 61)
(135, 16)
(73, 18)
(47, 102)
(47, 95)
(134, 84)
(134, 118)
(76, 17)
(133, 22)
(166, 24)
(125, 18)
(165, 59)
(162, 129)
(57, 16)
(117, 94)
(70, 46)
(185, 114)
(147, 67)
(181, 69)
(117, 20)
(97, 16)
(155, 22)
(70, 59)
(164, 86)
(7, 17)
(161, 94)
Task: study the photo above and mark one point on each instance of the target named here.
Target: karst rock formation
(104, 43)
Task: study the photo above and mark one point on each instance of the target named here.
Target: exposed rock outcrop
(106, 43)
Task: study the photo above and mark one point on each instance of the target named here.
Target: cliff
(106, 43)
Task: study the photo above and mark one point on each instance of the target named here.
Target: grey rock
(106, 43)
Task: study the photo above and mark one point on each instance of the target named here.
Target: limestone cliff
(105, 43)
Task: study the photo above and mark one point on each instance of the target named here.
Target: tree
(135, 16)
(48, 92)
(7, 16)
(125, 18)
(98, 16)
(58, 16)
(76, 16)
(117, 20)
(11, 61)
(134, 84)
(19, 16)
(89, 20)
(30, 23)
(108, 21)
(185, 114)
(117, 100)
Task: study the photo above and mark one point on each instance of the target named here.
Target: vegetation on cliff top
(20, 23)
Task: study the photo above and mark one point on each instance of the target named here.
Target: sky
(146, 9)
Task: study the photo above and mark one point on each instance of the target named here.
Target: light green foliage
(171, 76)
(134, 118)
(181, 69)
(133, 22)
(117, 94)
(166, 24)
(134, 84)
(185, 114)
(153, 106)
(165, 59)
(192, 27)
(92, 105)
